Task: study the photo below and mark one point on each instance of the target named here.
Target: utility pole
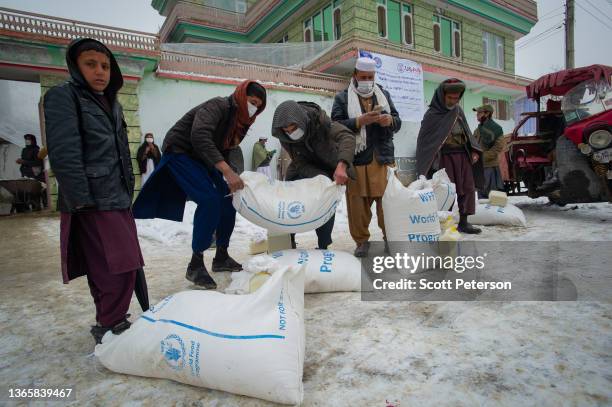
(569, 34)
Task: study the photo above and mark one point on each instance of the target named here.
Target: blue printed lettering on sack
(276, 255)
(497, 209)
(282, 319)
(423, 237)
(173, 351)
(303, 259)
(291, 210)
(427, 196)
(328, 258)
(158, 307)
(417, 219)
(194, 358)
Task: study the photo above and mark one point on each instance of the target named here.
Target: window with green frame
(447, 36)
(493, 50)
(395, 21)
(325, 24)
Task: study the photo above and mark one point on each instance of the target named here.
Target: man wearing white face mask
(367, 110)
(316, 147)
(202, 161)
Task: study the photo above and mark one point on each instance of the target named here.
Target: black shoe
(465, 227)
(362, 249)
(387, 250)
(98, 331)
(228, 264)
(223, 262)
(197, 273)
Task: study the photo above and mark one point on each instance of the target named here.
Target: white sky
(538, 53)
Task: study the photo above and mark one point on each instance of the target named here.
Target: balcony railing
(186, 10)
(174, 62)
(33, 25)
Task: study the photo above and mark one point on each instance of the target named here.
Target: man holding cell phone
(367, 110)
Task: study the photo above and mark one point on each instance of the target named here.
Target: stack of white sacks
(254, 344)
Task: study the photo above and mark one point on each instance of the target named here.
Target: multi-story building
(469, 39)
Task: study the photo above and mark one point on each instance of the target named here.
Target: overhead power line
(598, 9)
(594, 16)
(529, 40)
(540, 39)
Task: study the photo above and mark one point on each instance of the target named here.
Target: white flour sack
(251, 345)
(326, 271)
(287, 206)
(411, 213)
(444, 190)
(487, 214)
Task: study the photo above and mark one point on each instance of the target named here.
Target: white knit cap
(365, 64)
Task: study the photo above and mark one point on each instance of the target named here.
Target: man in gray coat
(316, 147)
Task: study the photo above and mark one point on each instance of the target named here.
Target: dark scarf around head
(240, 122)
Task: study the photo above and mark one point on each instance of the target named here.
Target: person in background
(262, 157)
(90, 156)
(445, 141)
(368, 111)
(202, 161)
(148, 156)
(490, 135)
(316, 146)
(30, 165)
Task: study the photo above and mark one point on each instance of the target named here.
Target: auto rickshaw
(569, 157)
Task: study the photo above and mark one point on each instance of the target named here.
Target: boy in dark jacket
(89, 154)
(201, 161)
(316, 147)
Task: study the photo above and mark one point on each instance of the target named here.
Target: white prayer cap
(365, 64)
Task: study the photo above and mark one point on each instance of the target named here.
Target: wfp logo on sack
(173, 351)
(427, 196)
(291, 210)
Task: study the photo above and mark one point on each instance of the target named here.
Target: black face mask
(483, 119)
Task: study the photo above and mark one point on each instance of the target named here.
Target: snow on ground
(357, 353)
(545, 222)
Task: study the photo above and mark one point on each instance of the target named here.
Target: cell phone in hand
(378, 109)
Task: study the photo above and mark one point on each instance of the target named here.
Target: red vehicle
(569, 157)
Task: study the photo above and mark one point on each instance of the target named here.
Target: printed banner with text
(403, 79)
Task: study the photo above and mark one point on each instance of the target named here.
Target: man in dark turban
(445, 141)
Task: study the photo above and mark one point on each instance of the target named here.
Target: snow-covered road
(357, 353)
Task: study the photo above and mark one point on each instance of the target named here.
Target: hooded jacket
(30, 161)
(323, 145)
(88, 145)
(435, 129)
